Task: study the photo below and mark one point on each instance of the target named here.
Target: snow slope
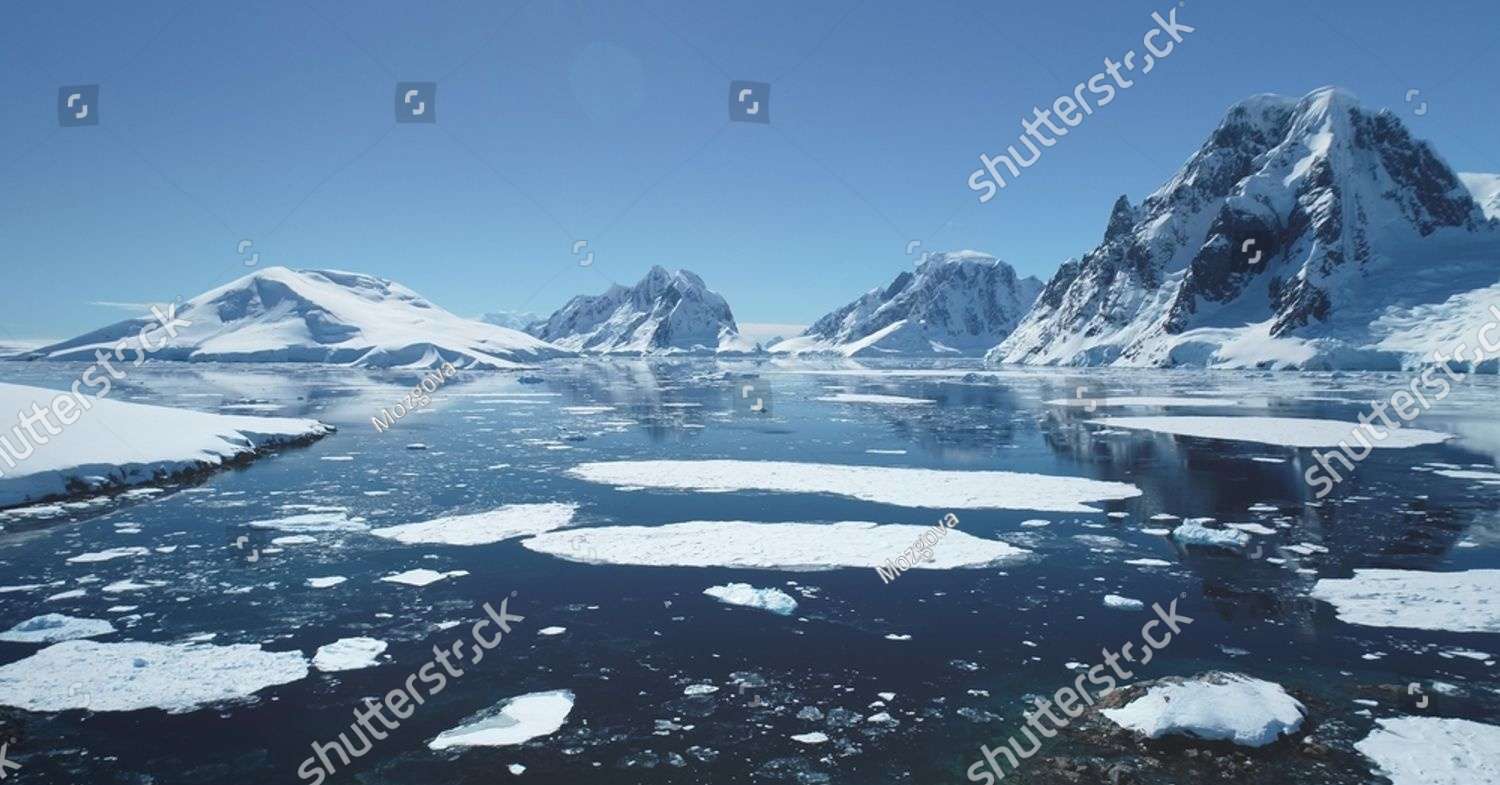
(115, 444)
(963, 303)
(321, 316)
(1305, 233)
(666, 313)
(1486, 191)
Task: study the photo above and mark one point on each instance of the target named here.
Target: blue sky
(607, 122)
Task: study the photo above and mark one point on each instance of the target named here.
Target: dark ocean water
(980, 640)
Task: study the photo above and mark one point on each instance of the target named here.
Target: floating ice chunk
(773, 600)
(1123, 603)
(512, 520)
(1036, 523)
(423, 576)
(326, 583)
(891, 400)
(1251, 528)
(325, 521)
(934, 488)
(815, 737)
(1148, 563)
(108, 555)
(796, 547)
(177, 677)
(54, 627)
(71, 594)
(1281, 431)
(1454, 601)
(700, 689)
(348, 654)
(295, 539)
(514, 721)
(1213, 707)
(549, 631)
(1194, 533)
(1142, 401)
(1433, 751)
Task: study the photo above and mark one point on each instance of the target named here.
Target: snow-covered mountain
(514, 320)
(953, 303)
(321, 316)
(1486, 191)
(666, 313)
(1305, 233)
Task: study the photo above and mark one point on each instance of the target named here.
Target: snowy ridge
(665, 313)
(1305, 233)
(318, 316)
(1485, 189)
(962, 302)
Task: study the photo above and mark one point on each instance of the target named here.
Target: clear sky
(607, 121)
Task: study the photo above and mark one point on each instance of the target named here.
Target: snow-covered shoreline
(115, 445)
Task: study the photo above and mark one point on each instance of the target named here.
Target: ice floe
(775, 546)
(1461, 601)
(1213, 707)
(892, 400)
(313, 522)
(773, 600)
(1123, 603)
(1433, 751)
(512, 520)
(550, 631)
(423, 576)
(1280, 431)
(129, 676)
(1193, 532)
(108, 554)
(111, 443)
(348, 654)
(326, 582)
(513, 721)
(54, 627)
(1142, 401)
(933, 488)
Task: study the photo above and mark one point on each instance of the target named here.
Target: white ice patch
(514, 721)
(774, 600)
(324, 521)
(890, 400)
(1216, 707)
(423, 576)
(512, 520)
(1196, 534)
(326, 582)
(933, 488)
(1160, 402)
(349, 654)
(1453, 601)
(1280, 431)
(1123, 603)
(54, 627)
(109, 554)
(1434, 751)
(177, 677)
(795, 547)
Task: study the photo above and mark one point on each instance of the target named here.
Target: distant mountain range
(665, 313)
(1305, 233)
(954, 303)
(322, 316)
